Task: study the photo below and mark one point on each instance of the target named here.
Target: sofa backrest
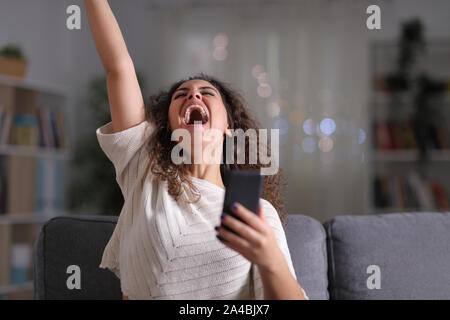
(306, 239)
(74, 241)
(80, 240)
(390, 256)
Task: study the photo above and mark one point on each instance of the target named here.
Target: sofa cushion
(409, 253)
(80, 241)
(307, 244)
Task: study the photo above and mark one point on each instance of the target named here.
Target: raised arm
(125, 96)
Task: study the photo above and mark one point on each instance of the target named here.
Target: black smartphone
(245, 187)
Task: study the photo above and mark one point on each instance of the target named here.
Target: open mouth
(195, 113)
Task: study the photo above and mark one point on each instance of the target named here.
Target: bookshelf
(410, 156)
(398, 179)
(34, 151)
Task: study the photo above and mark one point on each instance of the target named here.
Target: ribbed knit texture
(167, 249)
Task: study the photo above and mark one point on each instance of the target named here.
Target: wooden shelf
(34, 85)
(24, 218)
(16, 287)
(384, 97)
(378, 210)
(33, 151)
(410, 156)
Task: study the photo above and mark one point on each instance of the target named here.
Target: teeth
(187, 115)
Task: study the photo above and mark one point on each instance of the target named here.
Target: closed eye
(183, 94)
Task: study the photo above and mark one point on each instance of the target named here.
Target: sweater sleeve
(123, 148)
(126, 150)
(274, 221)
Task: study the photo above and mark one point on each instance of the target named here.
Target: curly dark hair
(177, 175)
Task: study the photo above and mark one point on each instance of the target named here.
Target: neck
(208, 172)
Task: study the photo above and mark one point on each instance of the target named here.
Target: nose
(195, 94)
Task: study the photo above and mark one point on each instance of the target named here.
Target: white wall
(61, 56)
(69, 58)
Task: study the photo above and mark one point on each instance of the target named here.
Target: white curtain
(315, 58)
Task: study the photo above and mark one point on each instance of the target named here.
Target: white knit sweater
(167, 249)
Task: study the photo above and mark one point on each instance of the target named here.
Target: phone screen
(243, 186)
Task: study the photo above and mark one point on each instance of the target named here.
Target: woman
(164, 245)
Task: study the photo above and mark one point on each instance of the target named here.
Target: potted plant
(12, 61)
(87, 190)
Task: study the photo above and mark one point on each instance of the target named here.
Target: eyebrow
(187, 89)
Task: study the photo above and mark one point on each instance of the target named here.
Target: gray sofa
(390, 256)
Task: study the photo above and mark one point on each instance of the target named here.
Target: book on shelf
(7, 94)
(3, 186)
(20, 262)
(31, 185)
(380, 83)
(439, 194)
(23, 237)
(410, 137)
(409, 192)
(21, 172)
(24, 122)
(5, 242)
(396, 133)
(378, 192)
(402, 135)
(2, 115)
(401, 199)
(421, 191)
(42, 128)
(383, 139)
(23, 126)
(49, 189)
